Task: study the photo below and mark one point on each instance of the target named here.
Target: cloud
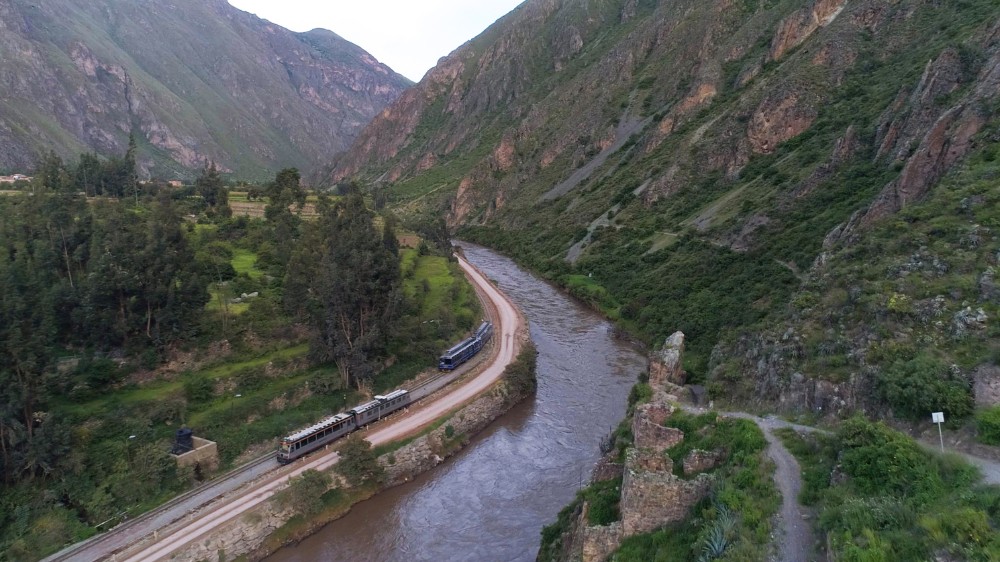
(408, 35)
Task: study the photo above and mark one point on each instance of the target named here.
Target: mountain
(775, 178)
(193, 79)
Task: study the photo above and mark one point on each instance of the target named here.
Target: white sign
(937, 417)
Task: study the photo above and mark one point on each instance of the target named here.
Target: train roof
(365, 407)
(392, 395)
(305, 432)
(459, 346)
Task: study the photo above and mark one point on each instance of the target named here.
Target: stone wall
(205, 454)
(652, 495)
(430, 450)
(648, 431)
(700, 461)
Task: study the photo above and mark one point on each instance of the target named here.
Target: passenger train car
(313, 437)
(332, 428)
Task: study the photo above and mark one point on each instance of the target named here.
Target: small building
(195, 452)
(175, 183)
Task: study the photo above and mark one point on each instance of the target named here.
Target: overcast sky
(408, 35)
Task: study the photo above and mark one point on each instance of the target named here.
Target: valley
(770, 229)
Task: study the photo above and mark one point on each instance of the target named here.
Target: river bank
(270, 527)
(490, 501)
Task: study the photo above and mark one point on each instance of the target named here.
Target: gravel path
(794, 532)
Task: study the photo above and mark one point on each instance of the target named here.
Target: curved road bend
(509, 323)
(170, 531)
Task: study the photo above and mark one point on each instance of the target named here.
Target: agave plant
(716, 543)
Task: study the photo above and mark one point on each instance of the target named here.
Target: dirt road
(508, 322)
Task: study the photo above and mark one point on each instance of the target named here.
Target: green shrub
(358, 462)
(520, 374)
(882, 461)
(988, 424)
(305, 492)
(924, 384)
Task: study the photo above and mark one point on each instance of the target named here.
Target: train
(466, 349)
(308, 439)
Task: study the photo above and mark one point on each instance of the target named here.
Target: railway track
(124, 535)
(71, 553)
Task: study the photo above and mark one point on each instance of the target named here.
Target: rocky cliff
(691, 164)
(193, 80)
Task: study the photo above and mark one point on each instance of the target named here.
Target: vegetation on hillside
(127, 318)
(880, 496)
(86, 73)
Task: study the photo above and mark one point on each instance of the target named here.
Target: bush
(358, 462)
(198, 389)
(520, 374)
(304, 493)
(922, 385)
(882, 461)
(988, 423)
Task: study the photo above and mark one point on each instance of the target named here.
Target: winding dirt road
(508, 322)
(158, 539)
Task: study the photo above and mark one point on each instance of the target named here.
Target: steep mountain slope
(682, 164)
(192, 79)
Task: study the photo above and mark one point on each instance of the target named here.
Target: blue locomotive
(464, 350)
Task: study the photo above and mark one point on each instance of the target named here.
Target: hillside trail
(794, 531)
(793, 535)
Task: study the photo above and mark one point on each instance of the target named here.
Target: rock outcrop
(652, 495)
(665, 365)
(796, 28)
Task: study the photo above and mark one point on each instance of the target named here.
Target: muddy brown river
(490, 501)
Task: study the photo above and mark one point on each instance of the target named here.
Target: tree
(304, 493)
(358, 462)
(212, 189)
(357, 289)
(287, 188)
(52, 173)
(129, 170)
(88, 173)
(282, 193)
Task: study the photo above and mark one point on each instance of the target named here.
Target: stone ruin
(652, 495)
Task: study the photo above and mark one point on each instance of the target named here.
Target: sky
(408, 35)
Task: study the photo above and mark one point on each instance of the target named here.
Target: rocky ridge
(192, 80)
(700, 164)
(652, 495)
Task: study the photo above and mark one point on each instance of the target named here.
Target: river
(490, 501)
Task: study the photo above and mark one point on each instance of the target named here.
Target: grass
(245, 261)
(163, 389)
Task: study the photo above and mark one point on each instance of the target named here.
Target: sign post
(938, 418)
